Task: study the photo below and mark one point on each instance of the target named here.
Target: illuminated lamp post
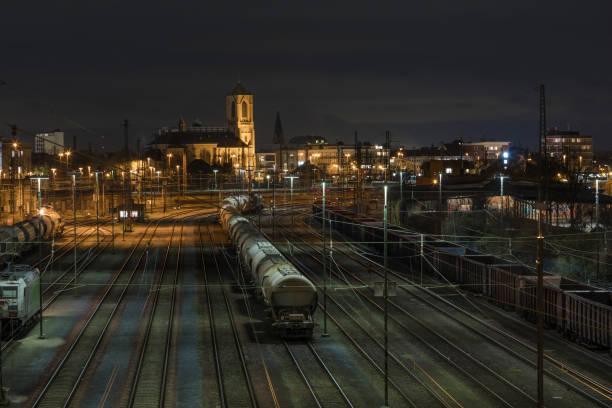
(40, 214)
(292, 214)
(178, 187)
(325, 333)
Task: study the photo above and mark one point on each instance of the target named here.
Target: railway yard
(170, 315)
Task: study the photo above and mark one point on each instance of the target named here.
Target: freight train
(291, 296)
(17, 239)
(582, 313)
(19, 295)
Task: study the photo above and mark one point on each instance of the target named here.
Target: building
(486, 151)
(49, 143)
(570, 149)
(15, 159)
(333, 160)
(232, 145)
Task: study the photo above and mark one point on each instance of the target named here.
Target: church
(232, 145)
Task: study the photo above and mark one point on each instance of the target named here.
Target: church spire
(278, 137)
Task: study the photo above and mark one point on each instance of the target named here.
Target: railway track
(596, 391)
(64, 381)
(498, 390)
(234, 381)
(148, 387)
(403, 378)
(67, 246)
(54, 289)
(321, 383)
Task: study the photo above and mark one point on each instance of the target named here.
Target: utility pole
(540, 303)
(386, 296)
(542, 162)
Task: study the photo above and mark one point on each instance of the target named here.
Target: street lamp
(178, 186)
(97, 207)
(597, 204)
(74, 174)
(501, 193)
(215, 172)
(292, 215)
(40, 214)
(158, 173)
(268, 178)
(440, 191)
(325, 334)
(169, 156)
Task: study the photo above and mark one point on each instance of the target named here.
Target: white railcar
(19, 295)
(291, 296)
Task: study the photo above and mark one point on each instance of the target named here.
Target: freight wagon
(582, 313)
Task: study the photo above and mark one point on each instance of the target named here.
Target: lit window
(244, 110)
(449, 170)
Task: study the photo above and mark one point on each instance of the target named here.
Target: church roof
(239, 89)
(195, 135)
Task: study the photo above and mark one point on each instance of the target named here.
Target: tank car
(17, 239)
(19, 294)
(291, 296)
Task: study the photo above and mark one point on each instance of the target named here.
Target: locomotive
(291, 296)
(17, 239)
(19, 294)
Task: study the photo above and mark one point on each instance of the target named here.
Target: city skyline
(426, 74)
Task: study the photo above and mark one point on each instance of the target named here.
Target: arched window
(233, 110)
(244, 110)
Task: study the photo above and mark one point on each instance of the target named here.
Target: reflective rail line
(592, 385)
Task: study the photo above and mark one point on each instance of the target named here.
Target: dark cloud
(428, 72)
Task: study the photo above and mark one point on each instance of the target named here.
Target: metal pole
(41, 335)
(292, 223)
(97, 210)
(274, 203)
(540, 302)
(596, 202)
(75, 226)
(501, 193)
(421, 257)
(113, 218)
(325, 334)
(501, 196)
(401, 186)
(440, 193)
(103, 199)
(386, 294)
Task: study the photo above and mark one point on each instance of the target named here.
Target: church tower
(240, 121)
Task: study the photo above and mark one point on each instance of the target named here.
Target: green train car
(19, 295)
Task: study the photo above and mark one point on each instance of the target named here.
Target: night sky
(428, 73)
